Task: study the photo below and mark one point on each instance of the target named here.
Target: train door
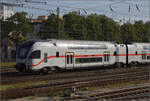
(69, 60)
(106, 58)
(143, 56)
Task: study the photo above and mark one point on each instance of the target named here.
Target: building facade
(6, 11)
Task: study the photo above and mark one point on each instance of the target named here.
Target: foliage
(17, 38)
(7, 64)
(50, 29)
(17, 25)
(128, 32)
(146, 32)
(79, 27)
(94, 27)
(74, 26)
(22, 24)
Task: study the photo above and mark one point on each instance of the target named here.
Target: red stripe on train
(85, 56)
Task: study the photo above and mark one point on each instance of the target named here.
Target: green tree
(110, 29)
(6, 27)
(94, 27)
(22, 23)
(140, 30)
(146, 36)
(17, 38)
(18, 23)
(49, 28)
(128, 33)
(74, 26)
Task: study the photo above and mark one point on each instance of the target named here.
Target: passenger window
(57, 54)
(115, 53)
(88, 60)
(71, 59)
(107, 57)
(35, 54)
(136, 53)
(67, 59)
(45, 57)
(143, 55)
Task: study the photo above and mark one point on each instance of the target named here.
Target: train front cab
(27, 56)
(22, 53)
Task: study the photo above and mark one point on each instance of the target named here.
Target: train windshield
(23, 50)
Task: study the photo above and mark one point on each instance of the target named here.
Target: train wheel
(19, 67)
(119, 65)
(44, 71)
(132, 64)
(53, 69)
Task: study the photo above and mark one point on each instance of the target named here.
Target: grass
(63, 92)
(26, 84)
(133, 83)
(111, 86)
(7, 64)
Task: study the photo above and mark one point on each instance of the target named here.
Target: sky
(119, 10)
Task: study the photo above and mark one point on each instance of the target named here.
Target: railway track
(64, 75)
(65, 84)
(7, 69)
(124, 94)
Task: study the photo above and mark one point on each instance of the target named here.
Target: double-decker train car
(52, 55)
(142, 54)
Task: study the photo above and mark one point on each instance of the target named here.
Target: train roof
(142, 45)
(74, 41)
(73, 44)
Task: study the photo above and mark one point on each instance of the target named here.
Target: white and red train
(51, 55)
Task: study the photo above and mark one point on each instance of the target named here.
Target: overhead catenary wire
(137, 8)
(85, 9)
(91, 9)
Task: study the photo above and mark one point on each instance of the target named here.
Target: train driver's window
(35, 54)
